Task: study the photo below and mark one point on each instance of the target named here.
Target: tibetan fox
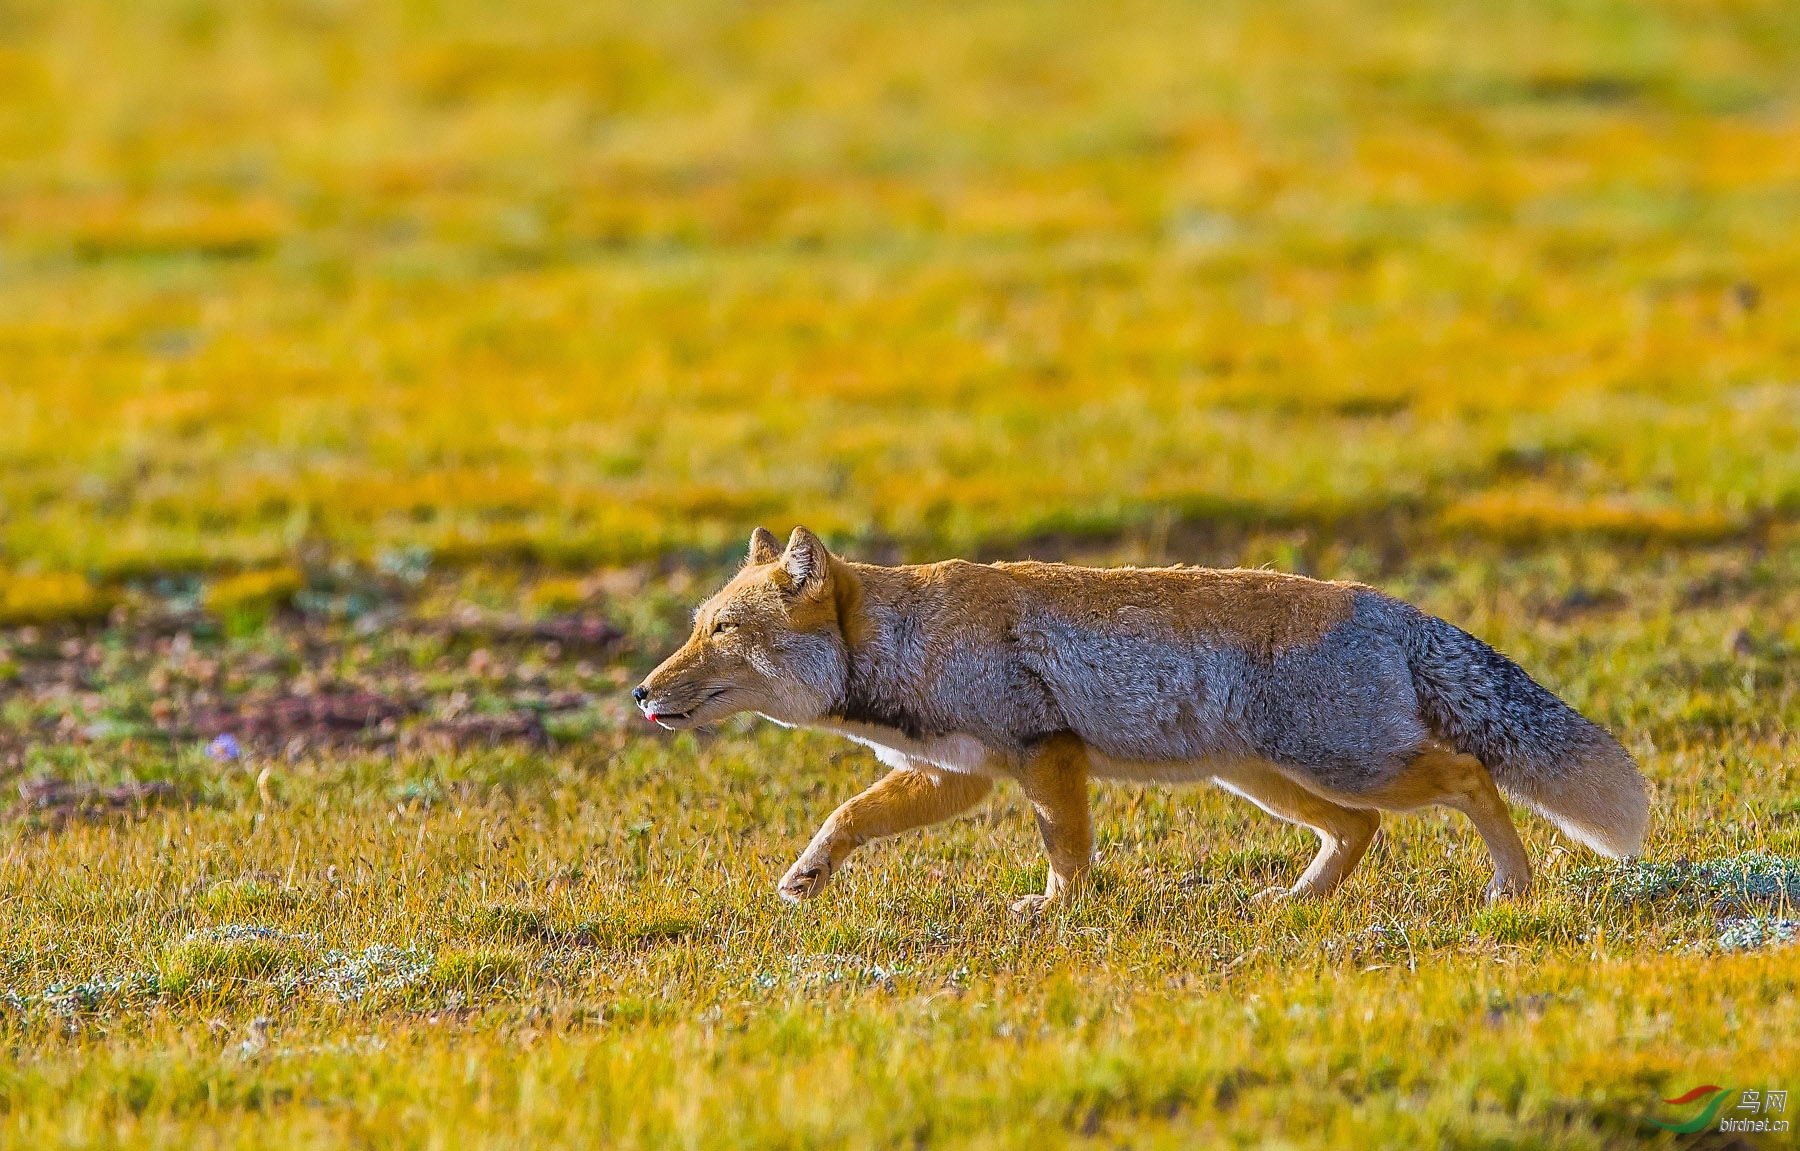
(1322, 703)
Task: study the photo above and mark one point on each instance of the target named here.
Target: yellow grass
(317, 317)
(585, 281)
(490, 947)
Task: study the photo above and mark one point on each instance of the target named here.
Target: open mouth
(665, 717)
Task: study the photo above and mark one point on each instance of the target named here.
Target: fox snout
(670, 696)
(656, 710)
(653, 705)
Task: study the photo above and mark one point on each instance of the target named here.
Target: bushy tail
(1540, 751)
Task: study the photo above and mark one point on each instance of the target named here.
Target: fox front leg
(903, 799)
(1055, 781)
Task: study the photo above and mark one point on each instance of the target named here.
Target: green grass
(218, 966)
(485, 946)
(582, 282)
(383, 383)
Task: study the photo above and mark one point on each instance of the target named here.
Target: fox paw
(1033, 905)
(1504, 887)
(803, 881)
(1299, 893)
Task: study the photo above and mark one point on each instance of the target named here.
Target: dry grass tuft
(381, 384)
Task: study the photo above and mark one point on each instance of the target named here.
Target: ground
(380, 385)
(468, 895)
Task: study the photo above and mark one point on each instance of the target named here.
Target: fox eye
(723, 626)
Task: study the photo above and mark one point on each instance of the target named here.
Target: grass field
(381, 384)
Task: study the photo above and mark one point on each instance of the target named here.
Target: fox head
(769, 641)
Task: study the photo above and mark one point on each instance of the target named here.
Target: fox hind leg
(1440, 775)
(901, 800)
(1344, 832)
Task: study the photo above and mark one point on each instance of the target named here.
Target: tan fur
(903, 799)
(1055, 781)
(1344, 832)
(790, 634)
(1264, 612)
(1442, 776)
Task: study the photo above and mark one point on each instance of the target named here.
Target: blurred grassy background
(591, 281)
(317, 317)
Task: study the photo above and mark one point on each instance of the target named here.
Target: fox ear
(805, 561)
(764, 547)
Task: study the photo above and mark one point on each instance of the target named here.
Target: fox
(1322, 703)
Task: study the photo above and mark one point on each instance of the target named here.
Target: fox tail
(1540, 751)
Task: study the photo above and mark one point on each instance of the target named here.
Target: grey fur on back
(1136, 689)
(1341, 710)
(1349, 711)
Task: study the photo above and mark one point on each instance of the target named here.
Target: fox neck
(879, 625)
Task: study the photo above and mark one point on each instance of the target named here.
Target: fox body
(1323, 703)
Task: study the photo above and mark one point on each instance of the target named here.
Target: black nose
(640, 693)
